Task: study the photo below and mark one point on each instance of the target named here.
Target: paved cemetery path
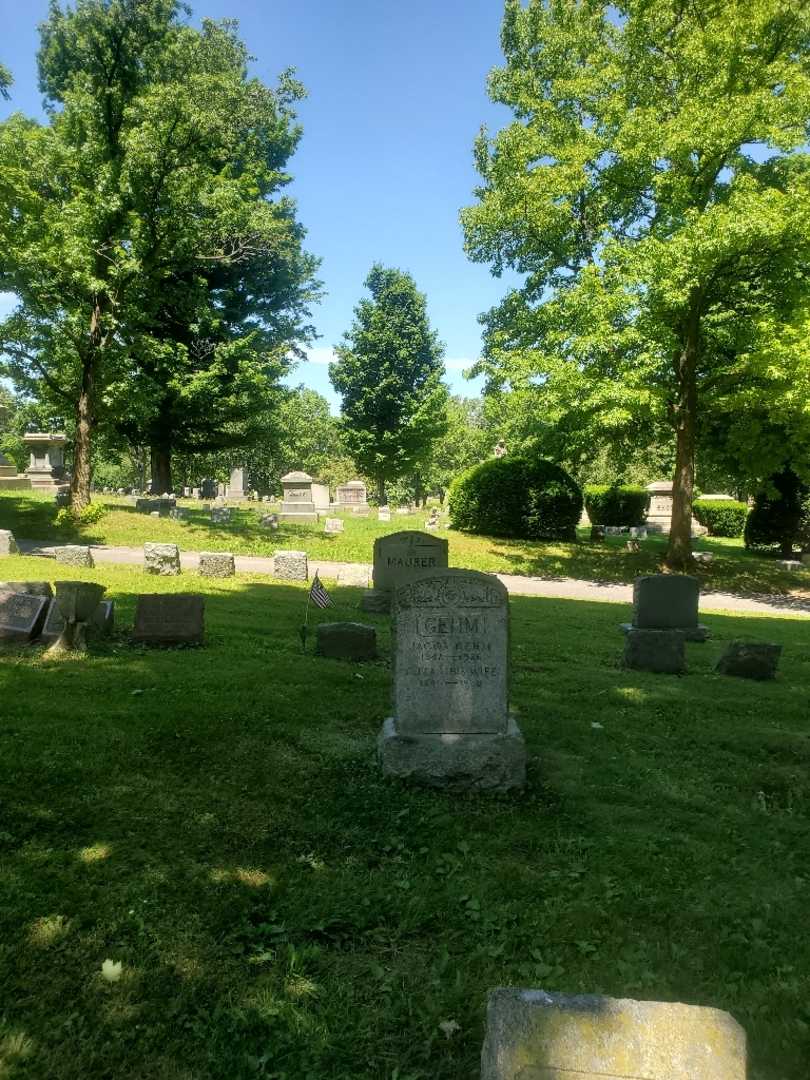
(517, 584)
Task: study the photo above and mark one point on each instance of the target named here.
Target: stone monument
(77, 602)
(46, 468)
(236, 485)
(398, 557)
(298, 503)
(352, 494)
(451, 724)
(169, 619)
(9, 478)
(667, 602)
(535, 1035)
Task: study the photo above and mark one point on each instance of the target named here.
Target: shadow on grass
(280, 909)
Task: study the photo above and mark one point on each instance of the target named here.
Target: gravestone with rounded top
(536, 1035)
(451, 723)
(399, 557)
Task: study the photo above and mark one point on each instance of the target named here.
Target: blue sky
(397, 93)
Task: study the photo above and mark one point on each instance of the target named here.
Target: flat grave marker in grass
(535, 1035)
(169, 619)
(451, 722)
(21, 616)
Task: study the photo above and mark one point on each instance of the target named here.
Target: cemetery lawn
(32, 517)
(213, 820)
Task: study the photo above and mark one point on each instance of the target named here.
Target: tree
(465, 443)
(388, 373)
(5, 82)
(655, 243)
(137, 230)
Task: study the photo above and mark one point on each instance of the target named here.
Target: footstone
(217, 564)
(451, 723)
(668, 602)
(750, 660)
(290, 565)
(8, 545)
(376, 602)
(102, 621)
(21, 616)
(169, 619)
(791, 564)
(163, 559)
(346, 641)
(74, 555)
(535, 1035)
(333, 525)
(661, 651)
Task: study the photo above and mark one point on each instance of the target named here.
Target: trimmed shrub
(780, 521)
(722, 517)
(523, 497)
(616, 504)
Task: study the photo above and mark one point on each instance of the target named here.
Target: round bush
(722, 517)
(522, 497)
(616, 504)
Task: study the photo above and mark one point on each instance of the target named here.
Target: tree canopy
(660, 251)
(389, 373)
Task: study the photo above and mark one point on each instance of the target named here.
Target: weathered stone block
(333, 525)
(179, 513)
(665, 601)
(661, 651)
(74, 555)
(217, 564)
(346, 641)
(101, 622)
(534, 1035)
(750, 660)
(32, 588)
(169, 619)
(220, 515)
(495, 762)
(21, 616)
(290, 565)
(8, 545)
(163, 559)
(376, 601)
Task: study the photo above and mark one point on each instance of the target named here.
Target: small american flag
(318, 594)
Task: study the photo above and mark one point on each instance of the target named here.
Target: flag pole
(305, 628)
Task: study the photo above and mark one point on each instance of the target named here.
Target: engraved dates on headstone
(451, 654)
(169, 619)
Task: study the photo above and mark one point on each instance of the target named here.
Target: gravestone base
(479, 762)
(376, 601)
(699, 633)
(660, 651)
(298, 517)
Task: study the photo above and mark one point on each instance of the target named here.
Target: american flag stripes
(318, 594)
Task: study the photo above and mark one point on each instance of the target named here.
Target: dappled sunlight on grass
(95, 853)
(251, 877)
(48, 930)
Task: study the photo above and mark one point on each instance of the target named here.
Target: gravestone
(32, 588)
(236, 485)
(298, 505)
(398, 557)
(790, 564)
(74, 555)
(346, 641)
(660, 651)
(162, 506)
(217, 564)
(384, 513)
(179, 513)
(46, 468)
(208, 488)
(269, 521)
(750, 660)
(451, 724)
(332, 526)
(169, 619)
(8, 545)
(290, 565)
(667, 602)
(352, 494)
(220, 515)
(62, 499)
(659, 515)
(163, 559)
(21, 616)
(101, 622)
(535, 1035)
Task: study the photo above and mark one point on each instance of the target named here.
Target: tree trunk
(679, 553)
(381, 492)
(161, 456)
(80, 481)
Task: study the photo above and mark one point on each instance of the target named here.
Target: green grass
(733, 569)
(214, 820)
